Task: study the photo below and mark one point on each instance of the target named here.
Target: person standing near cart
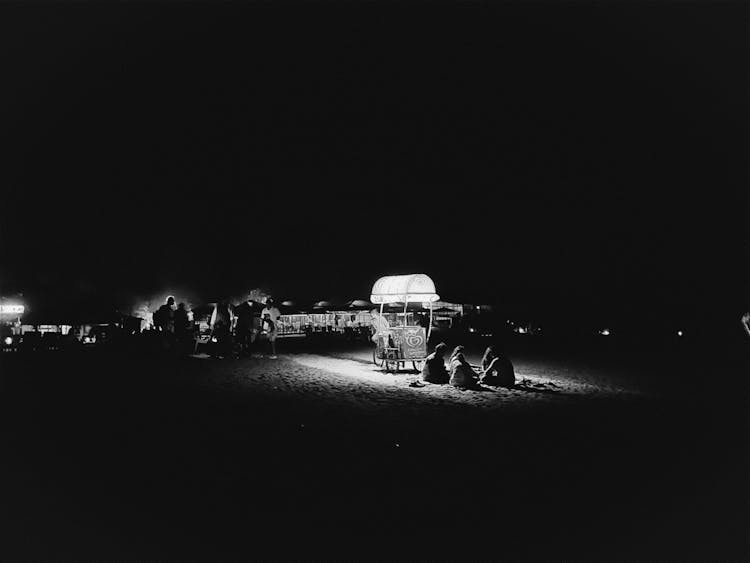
(381, 328)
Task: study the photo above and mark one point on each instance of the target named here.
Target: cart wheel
(375, 360)
(418, 365)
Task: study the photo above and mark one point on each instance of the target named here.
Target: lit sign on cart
(411, 341)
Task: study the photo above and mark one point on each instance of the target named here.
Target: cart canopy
(402, 289)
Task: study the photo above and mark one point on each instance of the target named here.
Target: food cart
(405, 343)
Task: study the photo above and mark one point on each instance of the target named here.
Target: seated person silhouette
(497, 370)
(434, 370)
(462, 375)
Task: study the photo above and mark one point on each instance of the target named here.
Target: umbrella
(360, 304)
(290, 307)
(411, 306)
(445, 310)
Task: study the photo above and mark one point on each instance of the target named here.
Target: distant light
(679, 333)
(472, 329)
(604, 332)
(8, 341)
(214, 339)
(12, 309)
(398, 445)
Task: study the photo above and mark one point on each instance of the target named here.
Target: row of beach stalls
(346, 318)
(78, 319)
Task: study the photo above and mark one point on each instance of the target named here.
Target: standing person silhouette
(270, 317)
(221, 326)
(164, 316)
(181, 327)
(243, 326)
(746, 323)
(164, 322)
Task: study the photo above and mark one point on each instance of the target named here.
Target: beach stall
(294, 321)
(399, 344)
(322, 317)
(360, 319)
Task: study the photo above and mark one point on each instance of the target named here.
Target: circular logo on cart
(414, 340)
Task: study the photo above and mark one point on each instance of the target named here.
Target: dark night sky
(585, 154)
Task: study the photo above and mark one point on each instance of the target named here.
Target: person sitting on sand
(434, 370)
(497, 370)
(462, 376)
(456, 351)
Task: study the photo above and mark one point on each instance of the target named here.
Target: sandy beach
(351, 380)
(323, 456)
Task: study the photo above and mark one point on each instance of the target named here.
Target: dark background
(563, 158)
(566, 161)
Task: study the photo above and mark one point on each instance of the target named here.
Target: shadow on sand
(527, 386)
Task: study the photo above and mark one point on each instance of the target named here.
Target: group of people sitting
(496, 369)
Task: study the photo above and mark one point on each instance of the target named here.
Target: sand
(355, 382)
(323, 456)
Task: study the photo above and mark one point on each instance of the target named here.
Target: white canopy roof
(400, 289)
